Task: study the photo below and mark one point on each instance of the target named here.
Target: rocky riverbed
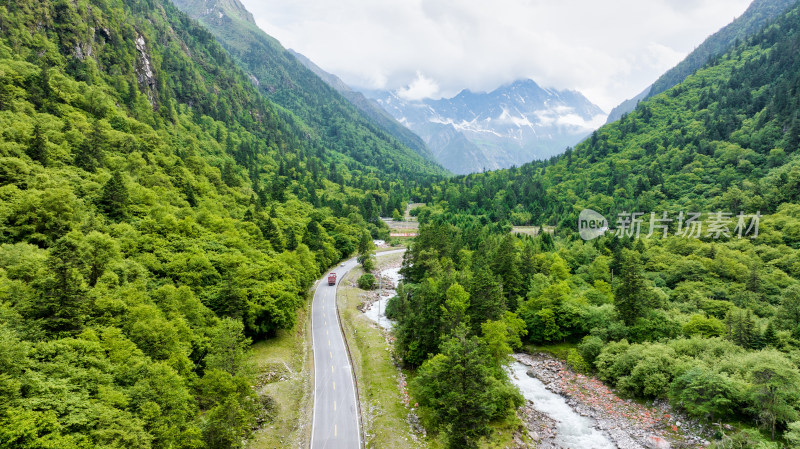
(629, 424)
(375, 301)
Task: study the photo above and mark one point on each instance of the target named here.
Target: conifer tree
(114, 197)
(630, 292)
(37, 150)
(89, 154)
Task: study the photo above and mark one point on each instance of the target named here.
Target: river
(573, 430)
(377, 310)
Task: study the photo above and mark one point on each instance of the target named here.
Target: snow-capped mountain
(511, 125)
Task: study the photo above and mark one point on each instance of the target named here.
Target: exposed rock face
(144, 70)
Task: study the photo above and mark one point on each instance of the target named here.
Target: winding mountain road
(336, 422)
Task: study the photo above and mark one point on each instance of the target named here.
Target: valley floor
(389, 416)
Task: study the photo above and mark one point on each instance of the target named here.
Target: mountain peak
(526, 83)
(513, 124)
(216, 9)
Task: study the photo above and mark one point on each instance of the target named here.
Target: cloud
(420, 88)
(609, 50)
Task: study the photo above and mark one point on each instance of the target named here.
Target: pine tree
(460, 391)
(229, 175)
(631, 292)
(487, 300)
(191, 198)
(89, 154)
(749, 333)
(505, 265)
(114, 197)
(37, 150)
(770, 338)
(793, 136)
(366, 251)
(133, 92)
(291, 241)
(753, 280)
(274, 235)
(61, 308)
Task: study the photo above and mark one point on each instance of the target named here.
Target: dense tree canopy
(157, 213)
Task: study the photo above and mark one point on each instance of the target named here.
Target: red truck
(332, 279)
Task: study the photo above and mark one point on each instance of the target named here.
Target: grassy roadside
(284, 367)
(384, 415)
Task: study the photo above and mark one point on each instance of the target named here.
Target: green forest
(160, 211)
(711, 324)
(157, 213)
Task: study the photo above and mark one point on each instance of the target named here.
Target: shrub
(706, 394)
(576, 362)
(705, 326)
(366, 282)
(590, 348)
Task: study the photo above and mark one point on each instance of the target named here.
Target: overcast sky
(608, 50)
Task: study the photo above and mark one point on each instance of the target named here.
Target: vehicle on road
(332, 279)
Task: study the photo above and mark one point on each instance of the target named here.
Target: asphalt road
(336, 422)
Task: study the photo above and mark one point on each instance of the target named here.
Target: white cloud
(420, 88)
(607, 50)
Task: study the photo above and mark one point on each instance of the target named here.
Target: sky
(608, 50)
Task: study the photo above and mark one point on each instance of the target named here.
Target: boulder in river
(656, 442)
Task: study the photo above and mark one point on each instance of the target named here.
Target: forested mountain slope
(369, 108)
(156, 212)
(757, 15)
(706, 320)
(286, 81)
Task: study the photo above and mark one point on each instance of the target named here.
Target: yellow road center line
(334, 406)
(331, 354)
(335, 430)
(334, 385)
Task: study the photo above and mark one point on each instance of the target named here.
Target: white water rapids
(573, 430)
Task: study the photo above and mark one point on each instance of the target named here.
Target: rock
(654, 442)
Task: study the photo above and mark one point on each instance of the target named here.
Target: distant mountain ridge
(286, 81)
(368, 107)
(757, 15)
(511, 125)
